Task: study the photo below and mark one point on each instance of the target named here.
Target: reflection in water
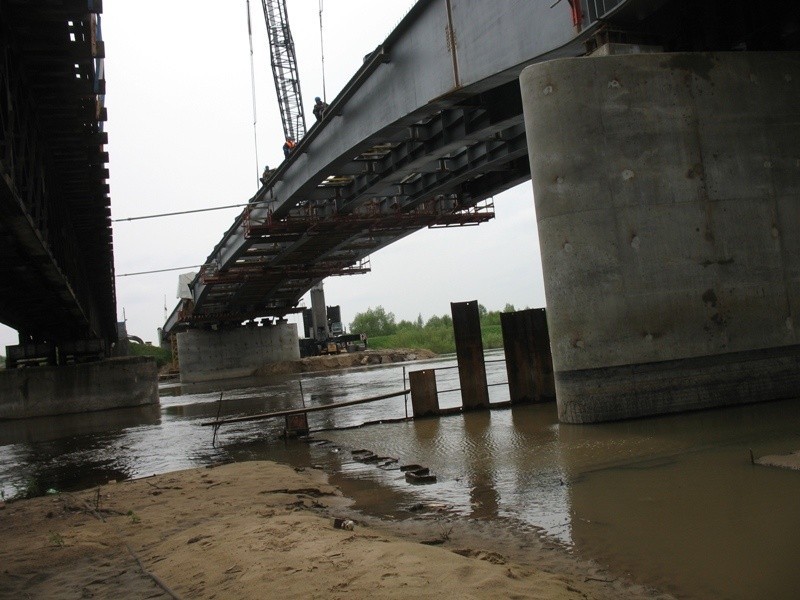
(325, 419)
(674, 500)
(483, 495)
(42, 429)
(46, 452)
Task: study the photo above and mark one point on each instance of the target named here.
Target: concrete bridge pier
(232, 353)
(43, 391)
(667, 190)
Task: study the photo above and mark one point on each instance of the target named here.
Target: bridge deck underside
(442, 176)
(56, 254)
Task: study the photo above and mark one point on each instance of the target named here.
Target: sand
(250, 530)
(784, 461)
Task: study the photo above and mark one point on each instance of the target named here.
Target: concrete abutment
(667, 190)
(84, 387)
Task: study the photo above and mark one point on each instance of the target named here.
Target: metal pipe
(299, 411)
(452, 45)
(404, 386)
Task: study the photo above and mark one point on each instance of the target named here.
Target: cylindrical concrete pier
(667, 190)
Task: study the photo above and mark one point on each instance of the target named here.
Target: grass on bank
(435, 334)
(161, 355)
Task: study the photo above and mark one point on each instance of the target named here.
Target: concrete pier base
(86, 387)
(234, 353)
(667, 190)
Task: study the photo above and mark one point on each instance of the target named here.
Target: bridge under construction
(652, 130)
(660, 136)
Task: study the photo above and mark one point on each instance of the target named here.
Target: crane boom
(284, 68)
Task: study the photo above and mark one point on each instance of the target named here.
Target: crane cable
(322, 53)
(253, 88)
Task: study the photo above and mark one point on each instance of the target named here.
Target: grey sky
(181, 137)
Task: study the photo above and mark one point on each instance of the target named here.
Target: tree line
(436, 334)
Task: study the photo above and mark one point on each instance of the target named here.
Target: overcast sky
(180, 127)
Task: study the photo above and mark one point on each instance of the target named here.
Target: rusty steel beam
(268, 273)
(56, 272)
(469, 353)
(529, 363)
(424, 396)
(378, 222)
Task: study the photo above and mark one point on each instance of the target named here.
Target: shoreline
(345, 360)
(253, 528)
(328, 362)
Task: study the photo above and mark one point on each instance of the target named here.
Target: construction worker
(289, 146)
(268, 173)
(319, 108)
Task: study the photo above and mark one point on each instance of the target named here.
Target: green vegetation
(161, 355)
(435, 334)
(31, 489)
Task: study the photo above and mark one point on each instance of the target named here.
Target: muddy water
(673, 502)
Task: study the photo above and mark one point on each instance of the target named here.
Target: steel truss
(56, 260)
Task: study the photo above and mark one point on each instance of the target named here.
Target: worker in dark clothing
(320, 108)
(289, 146)
(268, 173)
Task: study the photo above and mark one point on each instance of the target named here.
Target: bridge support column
(319, 314)
(232, 353)
(667, 190)
(79, 388)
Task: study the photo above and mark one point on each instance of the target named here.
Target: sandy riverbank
(251, 530)
(345, 360)
(784, 461)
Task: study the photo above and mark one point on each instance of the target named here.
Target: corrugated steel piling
(469, 353)
(424, 396)
(529, 363)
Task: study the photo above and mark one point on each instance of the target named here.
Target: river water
(672, 502)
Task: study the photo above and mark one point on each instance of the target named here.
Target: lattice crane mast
(284, 68)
